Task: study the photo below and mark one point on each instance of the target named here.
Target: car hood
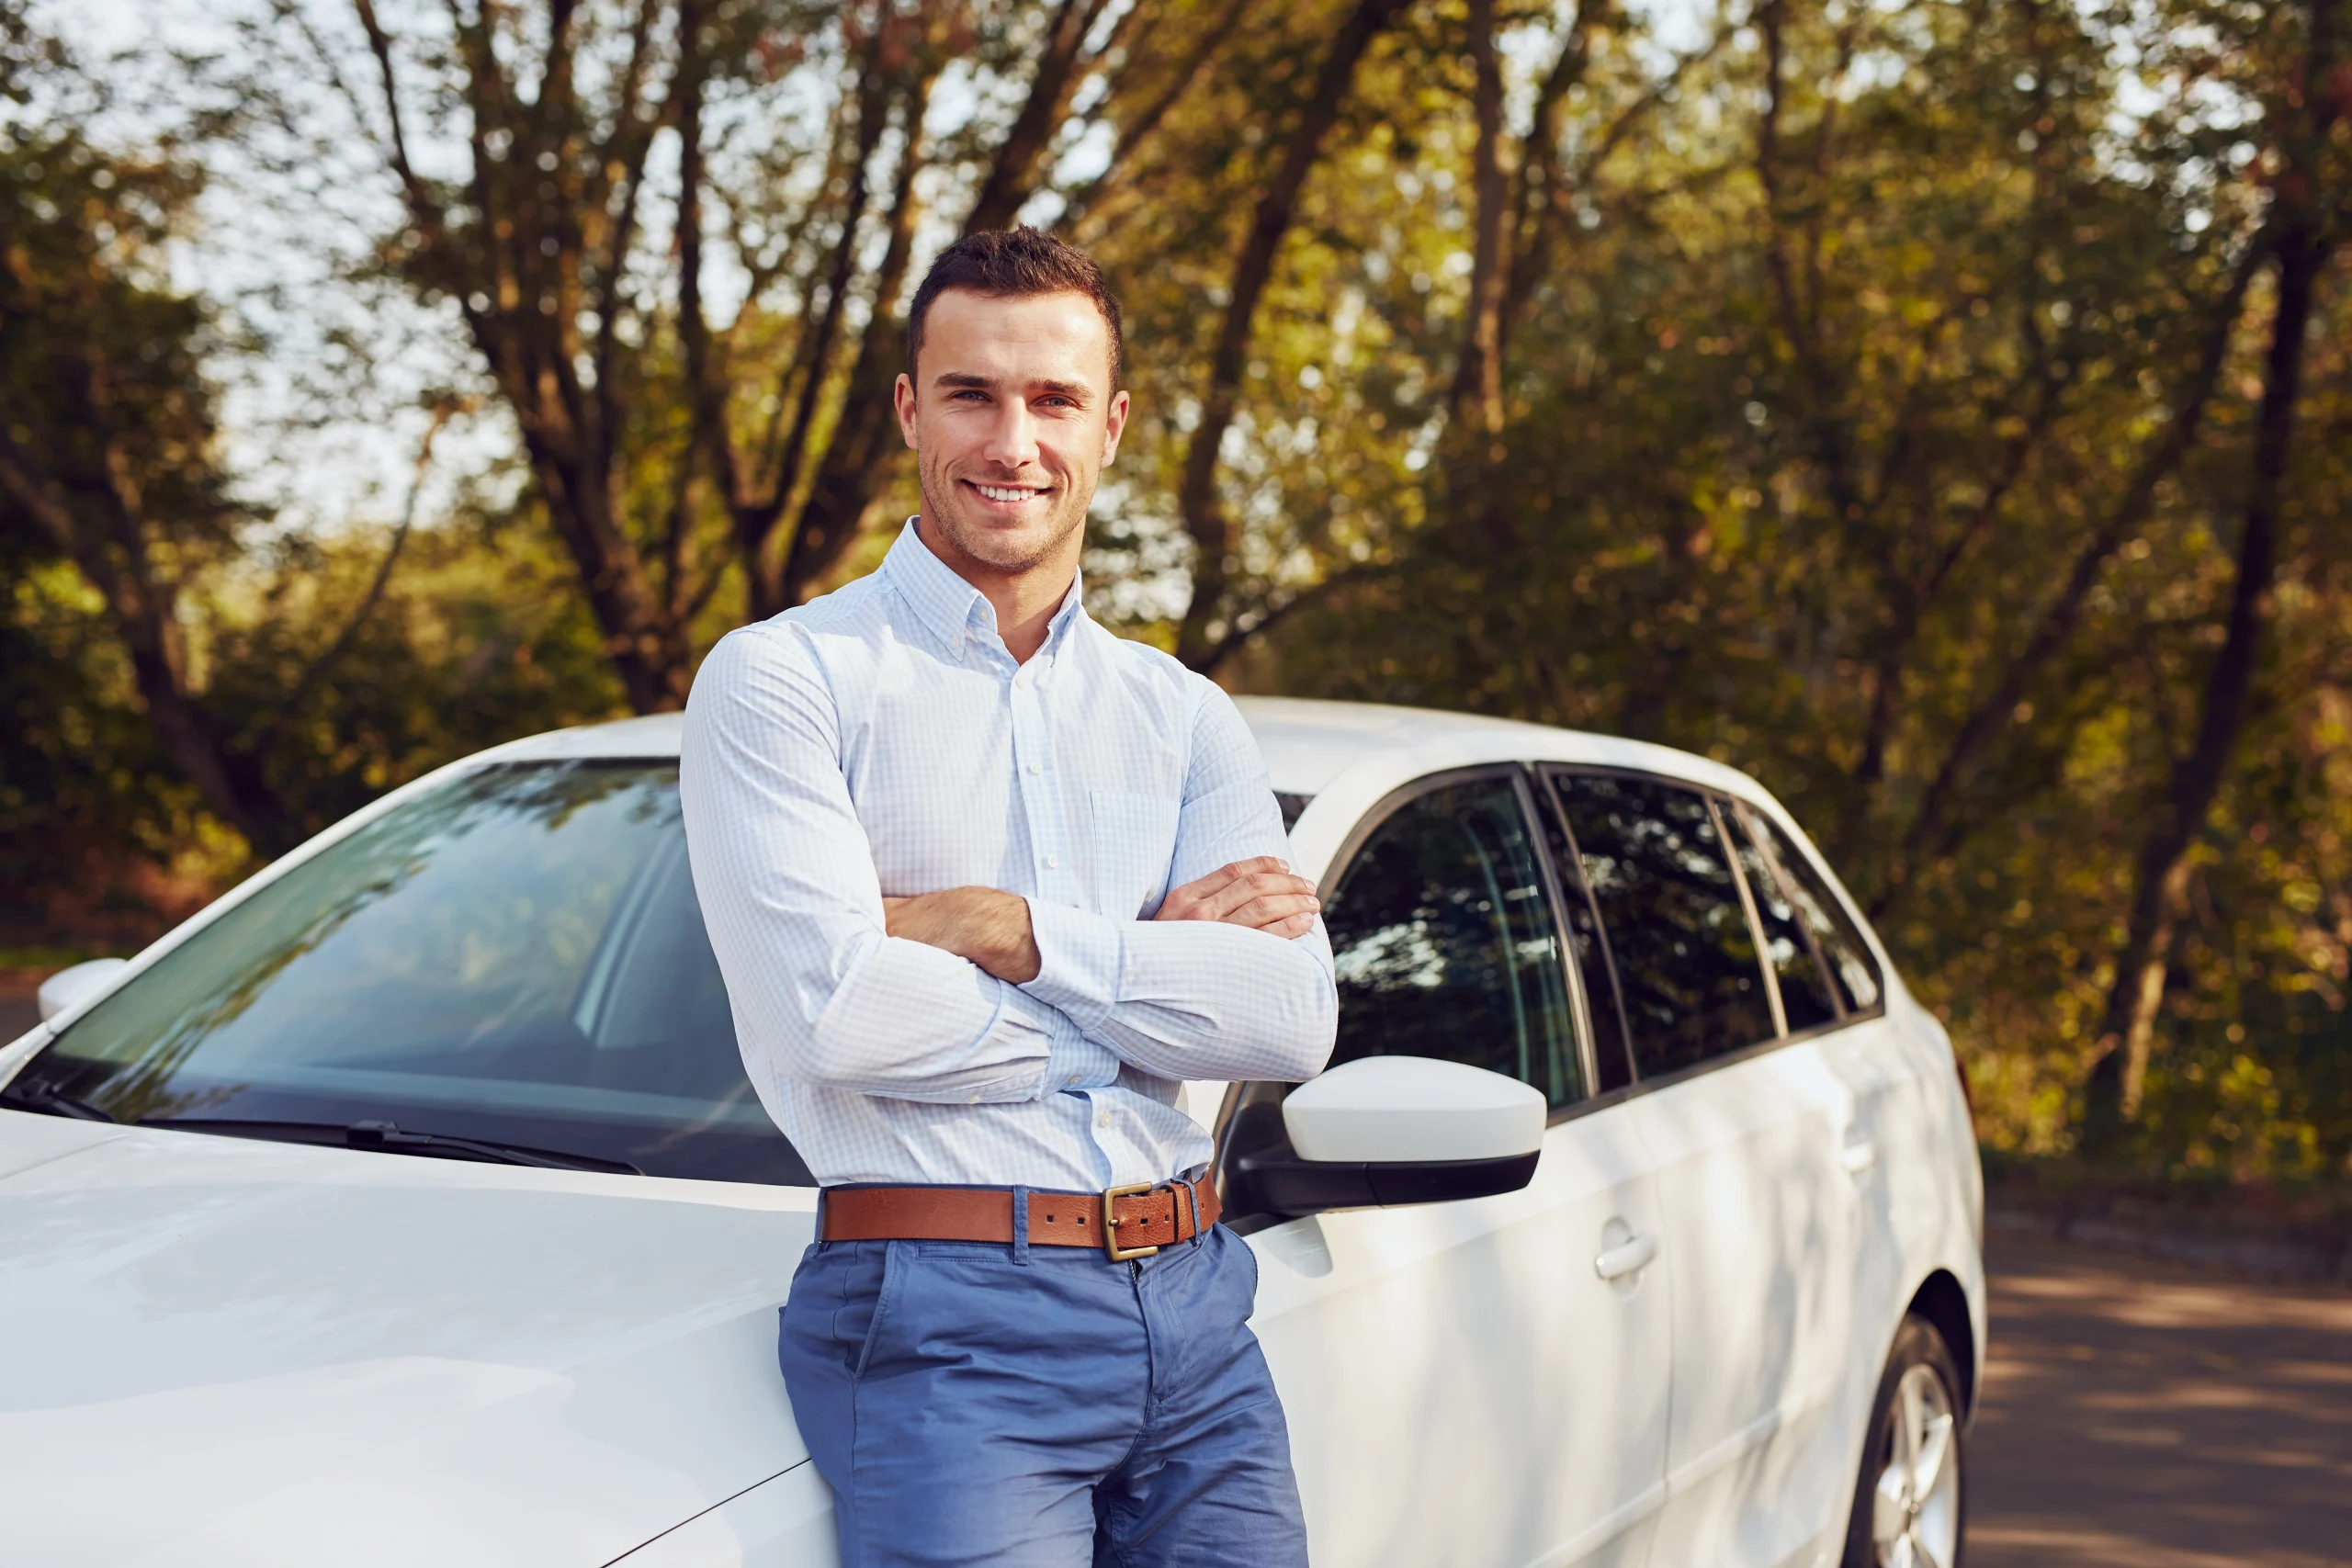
(223, 1351)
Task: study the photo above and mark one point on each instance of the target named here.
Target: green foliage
(1879, 404)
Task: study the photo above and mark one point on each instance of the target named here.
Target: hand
(1261, 893)
(988, 927)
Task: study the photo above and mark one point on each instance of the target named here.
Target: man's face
(1011, 424)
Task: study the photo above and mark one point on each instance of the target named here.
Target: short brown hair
(1012, 264)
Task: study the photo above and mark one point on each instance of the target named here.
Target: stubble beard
(1000, 549)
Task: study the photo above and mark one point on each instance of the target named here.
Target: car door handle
(1622, 1260)
(1858, 1155)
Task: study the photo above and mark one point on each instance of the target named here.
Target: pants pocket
(878, 1306)
(839, 1298)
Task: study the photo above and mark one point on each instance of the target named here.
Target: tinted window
(1806, 999)
(1443, 931)
(1851, 969)
(1686, 964)
(1612, 1057)
(513, 956)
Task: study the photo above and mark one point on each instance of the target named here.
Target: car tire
(1910, 1498)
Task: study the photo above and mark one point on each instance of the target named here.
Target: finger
(1274, 908)
(1225, 875)
(1226, 901)
(1191, 901)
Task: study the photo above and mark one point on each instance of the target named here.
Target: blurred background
(1939, 409)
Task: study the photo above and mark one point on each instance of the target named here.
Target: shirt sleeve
(786, 878)
(1198, 999)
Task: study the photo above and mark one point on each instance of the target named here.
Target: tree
(2311, 93)
(679, 446)
(107, 431)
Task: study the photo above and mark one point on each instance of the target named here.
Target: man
(986, 885)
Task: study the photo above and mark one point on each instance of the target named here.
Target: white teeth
(994, 493)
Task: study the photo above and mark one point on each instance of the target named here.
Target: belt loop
(819, 1239)
(1193, 1196)
(1021, 1226)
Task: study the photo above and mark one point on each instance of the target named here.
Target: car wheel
(1907, 1502)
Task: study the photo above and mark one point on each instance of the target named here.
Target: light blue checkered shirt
(880, 740)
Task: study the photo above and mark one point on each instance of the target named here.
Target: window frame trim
(1537, 777)
(1755, 918)
(1739, 812)
(1863, 930)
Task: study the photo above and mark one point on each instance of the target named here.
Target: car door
(1743, 1118)
(1881, 1076)
(1463, 1386)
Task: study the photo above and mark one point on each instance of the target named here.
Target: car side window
(1808, 1000)
(1444, 942)
(1686, 960)
(1851, 969)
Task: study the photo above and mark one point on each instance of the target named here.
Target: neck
(1024, 601)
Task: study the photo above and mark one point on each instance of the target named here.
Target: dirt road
(2141, 1415)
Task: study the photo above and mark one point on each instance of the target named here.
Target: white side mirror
(1382, 1109)
(68, 987)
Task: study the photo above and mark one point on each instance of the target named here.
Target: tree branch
(2057, 621)
(291, 710)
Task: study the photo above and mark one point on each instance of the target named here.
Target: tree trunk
(111, 551)
(1477, 391)
(2111, 1097)
(1215, 538)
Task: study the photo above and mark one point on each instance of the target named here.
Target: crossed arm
(992, 929)
(969, 995)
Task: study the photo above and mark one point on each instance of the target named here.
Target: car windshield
(514, 957)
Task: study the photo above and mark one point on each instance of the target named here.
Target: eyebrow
(962, 379)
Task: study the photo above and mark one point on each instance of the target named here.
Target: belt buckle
(1110, 1247)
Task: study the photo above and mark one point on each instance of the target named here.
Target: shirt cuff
(1072, 1061)
(1079, 958)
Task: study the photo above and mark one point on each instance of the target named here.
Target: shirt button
(1103, 1118)
(1053, 862)
(1036, 767)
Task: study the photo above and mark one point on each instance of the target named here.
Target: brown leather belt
(1125, 1221)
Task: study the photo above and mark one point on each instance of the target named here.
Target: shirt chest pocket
(1134, 844)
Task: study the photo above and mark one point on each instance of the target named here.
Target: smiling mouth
(1005, 493)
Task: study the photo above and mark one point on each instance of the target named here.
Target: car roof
(1308, 744)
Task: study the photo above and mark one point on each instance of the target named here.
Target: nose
(1012, 441)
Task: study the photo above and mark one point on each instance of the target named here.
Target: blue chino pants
(975, 1406)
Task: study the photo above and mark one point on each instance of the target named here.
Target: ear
(1114, 425)
(902, 396)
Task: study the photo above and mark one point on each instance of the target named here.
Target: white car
(1676, 1264)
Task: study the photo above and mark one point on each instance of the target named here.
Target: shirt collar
(953, 611)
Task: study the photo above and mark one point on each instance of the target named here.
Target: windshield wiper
(50, 1101)
(390, 1137)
